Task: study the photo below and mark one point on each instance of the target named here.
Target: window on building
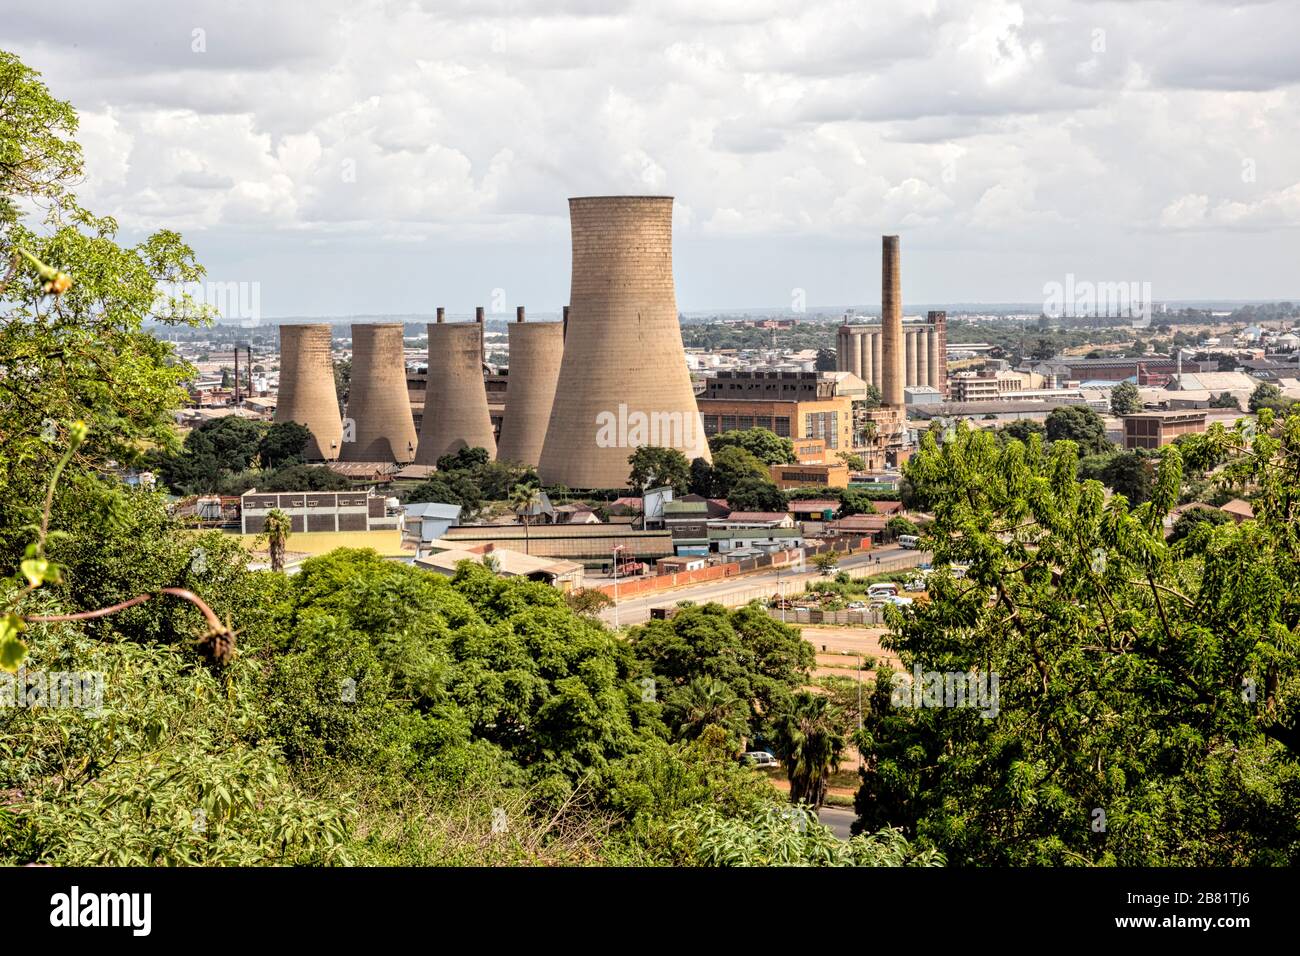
(782, 427)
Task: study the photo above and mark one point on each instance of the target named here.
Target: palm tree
(808, 743)
(706, 702)
(524, 499)
(277, 529)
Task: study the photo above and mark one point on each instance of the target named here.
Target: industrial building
(623, 379)
(307, 395)
(317, 511)
(797, 405)
(536, 352)
(1157, 429)
(859, 348)
(455, 414)
(379, 426)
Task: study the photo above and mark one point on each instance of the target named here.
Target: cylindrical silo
(456, 412)
(536, 351)
(623, 379)
(380, 426)
(307, 394)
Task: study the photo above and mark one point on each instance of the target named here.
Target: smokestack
(891, 323)
(536, 351)
(307, 394)
(519, 314)
(478, 314)
(378, 402)
(455, 402)
(442, 314)
(623, 379)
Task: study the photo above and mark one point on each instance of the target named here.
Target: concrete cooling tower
(891, 323)
(379, 408)
(536, 351)
(623, 379)
(455, 401)
(307, 394)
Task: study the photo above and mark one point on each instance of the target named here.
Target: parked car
(760, 758)
(882, 589)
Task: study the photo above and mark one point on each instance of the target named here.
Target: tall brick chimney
(891, 323)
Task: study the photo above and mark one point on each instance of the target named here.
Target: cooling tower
(379, 407)
(623, 379)
(891, 324)
(455, 401)
(307, 394)
(536, 351)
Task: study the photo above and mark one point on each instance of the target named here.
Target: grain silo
(307, 393)
(536, 351)
(623, 379)
(455, 401)
(379, 426)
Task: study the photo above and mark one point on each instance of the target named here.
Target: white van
(909, 541)
(882, 589)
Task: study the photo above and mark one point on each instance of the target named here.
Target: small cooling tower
(455, 401)
(379, 407)
(307, 394)
(536, 351)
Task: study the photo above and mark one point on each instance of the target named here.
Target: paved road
(838, 819)
(741, 589)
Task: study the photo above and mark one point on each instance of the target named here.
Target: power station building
(455, 401)
(379, 425)
(307, 393)
(623, 379)
(536, 353)
(859, 348)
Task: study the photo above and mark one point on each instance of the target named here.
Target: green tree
(762, 660)
(277, 529)
(1022, 428)
(756, 494)
(283, 444)
(827, 361)
(707, 702)
(808, 742)
(1187, 523)
(1225, 400)
(526, 502)
(1266, 395)
(1151, 682)
(1125, 400)
(1081, 425)
(764, 444)
(700, 481)
(654, 466)
(1130, 474)
(733, 464)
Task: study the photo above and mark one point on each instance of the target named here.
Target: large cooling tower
(379, 407)
(455, 401)
(623, 379)
(307, 394)
(536, 351)
(891, 324)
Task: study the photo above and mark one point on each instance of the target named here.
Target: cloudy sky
(374, 156)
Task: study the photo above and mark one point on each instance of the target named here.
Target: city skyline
(348, 169)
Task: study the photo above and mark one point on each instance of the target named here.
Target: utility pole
(617, 549)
